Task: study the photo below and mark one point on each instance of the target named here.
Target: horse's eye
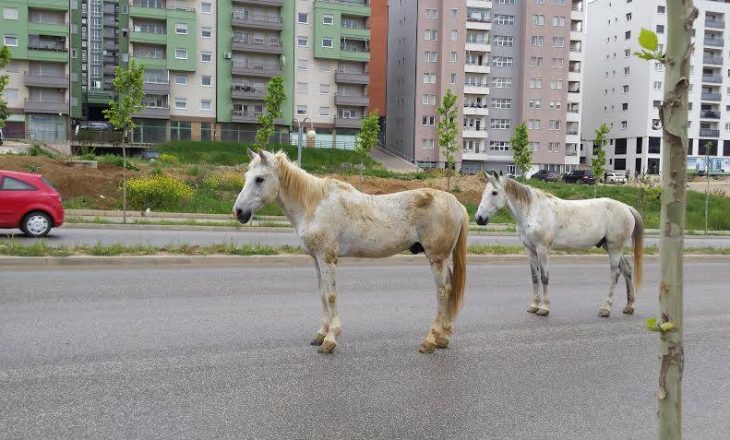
(494, 193)
(259, 180)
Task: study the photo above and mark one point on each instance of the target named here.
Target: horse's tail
(458, 276)
(638, 237)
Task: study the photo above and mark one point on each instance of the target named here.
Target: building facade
(516, 62)
(624, 91)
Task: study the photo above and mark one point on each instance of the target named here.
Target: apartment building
(624, 90)
(36, 31)
(378, 65)
(518, 61)
(331, 59)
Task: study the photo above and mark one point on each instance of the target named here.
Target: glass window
(206, 105)
(206, 80)
(181, 80)
(328, 19)
(206, 7)
(326, 42)
(302, 41)
(11, 40)
(206, 57)
(10, 184)
(206, 131)
(206, 32)
(181, 103)
(10, 13)
(303, 18)
(181, 54)
(181, 28)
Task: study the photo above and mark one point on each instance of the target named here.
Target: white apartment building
(623, 91)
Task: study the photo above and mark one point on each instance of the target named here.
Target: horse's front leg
(535, 272)
(438, 336)
(327, 266)
(544, 265)
(322, 332)
(614, 257)
(625, 268)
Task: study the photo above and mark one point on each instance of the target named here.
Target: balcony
(476, 110)
(49, 46)
(245, 91)
(709, 114)
(244, 116)
(714, 42)
(712, 59)
(260, 2)
(256, 21)
(154, 113)
(351, 100)
(154, 88)
(717, 79)
(45, 80)
(476, 68)
(711, 96)
(714, 23)
(258, 70)
(257, 46)
(46, 107)
(352, 77)
(476, 89)
(348, 123)
(709, 132)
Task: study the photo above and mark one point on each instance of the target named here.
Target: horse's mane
(298, 184)
(522, 194)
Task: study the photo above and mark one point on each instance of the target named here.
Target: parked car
(150, 155)
(580, 176)
(546, 176)
(616, 178)
(29, 202)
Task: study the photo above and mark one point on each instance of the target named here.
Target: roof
(19, 174)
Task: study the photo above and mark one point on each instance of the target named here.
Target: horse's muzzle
(242, 216)
(481, 221)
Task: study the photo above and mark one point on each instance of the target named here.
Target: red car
(29, 202)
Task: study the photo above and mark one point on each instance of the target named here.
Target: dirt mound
(468, 189)
(99, 185)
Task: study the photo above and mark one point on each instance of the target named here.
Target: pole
(707, 191)
(299, 143)
(124, 183)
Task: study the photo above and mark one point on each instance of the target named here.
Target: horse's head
(260, 187)
(493, 199)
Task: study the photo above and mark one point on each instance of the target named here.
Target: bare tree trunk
(673, 114)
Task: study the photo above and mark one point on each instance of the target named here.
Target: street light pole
(707, 191)
(300, 134)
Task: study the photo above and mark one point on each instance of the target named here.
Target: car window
(10, 184)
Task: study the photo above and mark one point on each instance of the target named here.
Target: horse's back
(592, 222)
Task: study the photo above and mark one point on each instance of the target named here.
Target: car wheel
(36, 224)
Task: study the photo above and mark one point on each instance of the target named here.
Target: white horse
(333, 219)
(545, 221)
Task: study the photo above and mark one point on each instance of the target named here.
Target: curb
(201, 261)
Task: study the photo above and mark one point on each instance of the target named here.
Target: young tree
(448, 131)
(275, 97)
(673, 113)
(4, 61)
(367, 138)
(598, 161)
(129, 88)
(521, 153)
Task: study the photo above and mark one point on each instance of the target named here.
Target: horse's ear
(251, 154)
(486, 176)
(264, 159)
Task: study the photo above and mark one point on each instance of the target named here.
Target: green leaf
(651, 325)
(666, 326)
(648, 40)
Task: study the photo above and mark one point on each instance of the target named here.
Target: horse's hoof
(543, 312)
(318, 340)
(603, 313)
(327, 347)
(532, 309)
(629, 310)
(442, 342)
(427, 347)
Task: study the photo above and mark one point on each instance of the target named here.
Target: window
(533, 124)
(627, 35)
(206, 105)
(181, 54)
(535, 61)
(301, 109)
(659, 29)
(625, 89)
(624, 106)
(206, 7)
(430, 35)
(302, 41)
(558, 41)
(501, 124)
(11, 40)
(428, 120)
(502, 61)
(454, 57)
(534, 146)
(181, 80)
(498, 145)
(556, 84)
(454, 35)
(326, 42)
(657, 85)
(554, 124)
(430, 56)
(428, 144)
(554, 147)
(324, 89)
(538, 20)
(181, 103)
(206, 81)
(535, 83)
(661, 9)
(503, 41)
(454, 12)
(501, 103)
(303, 18)
(432, 13)
(537, 40)
(627, 53)
(502, 83)
(206, 57)
(558, 62)
(624, 125)
(505, 20)
(555, 105)
(10, 184)
(302, 88)
(559, 21)
(428, 99)
(12, 95)
(328, 20)
(206, 32)
(535, 104)
(452, 79)
(429, 78)
(627, 70)
(324, 111)
(10, 13)
(181, 28)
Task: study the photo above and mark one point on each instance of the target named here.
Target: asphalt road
(222, 353)
(70, 236)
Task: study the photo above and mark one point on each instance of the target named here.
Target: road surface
(222, 353)
(70, 236)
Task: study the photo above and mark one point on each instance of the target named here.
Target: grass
(42, 249)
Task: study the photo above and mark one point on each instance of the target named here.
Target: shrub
(157, 192)
(224, 181)
(169, 159)
(118, 161)
(37, 150)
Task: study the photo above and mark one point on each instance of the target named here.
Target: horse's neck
(519, 213)
(291, 201)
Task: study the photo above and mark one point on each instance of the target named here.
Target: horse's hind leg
(438, 336)
(322, 332)
(614, 258)
(544, 266)
(327, 266)
(625, 268)
(535, 271)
